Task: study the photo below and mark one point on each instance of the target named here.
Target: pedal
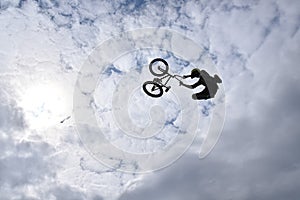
(157, 80)
(167, 89)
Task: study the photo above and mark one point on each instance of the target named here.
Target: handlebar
(177, 76)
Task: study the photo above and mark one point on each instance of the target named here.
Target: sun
(45, 105)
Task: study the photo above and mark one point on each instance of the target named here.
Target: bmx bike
(159, 67)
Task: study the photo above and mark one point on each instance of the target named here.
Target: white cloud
(255, 45)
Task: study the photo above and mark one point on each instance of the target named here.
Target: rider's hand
(185, 76)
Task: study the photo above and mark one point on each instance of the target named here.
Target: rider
(209, 82)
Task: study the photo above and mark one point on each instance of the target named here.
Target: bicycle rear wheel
(158, 67)
(153, 89)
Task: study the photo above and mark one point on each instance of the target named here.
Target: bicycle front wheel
(158, 67)
(153, 89)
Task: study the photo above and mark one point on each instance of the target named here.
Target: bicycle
(155, 88)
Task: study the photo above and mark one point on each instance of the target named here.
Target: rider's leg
(204, 94)
(199, 96)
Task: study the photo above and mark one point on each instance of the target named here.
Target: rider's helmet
(195, 73)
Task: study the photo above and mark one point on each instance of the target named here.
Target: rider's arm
(185, 85)
(196, 84)
(191, 86)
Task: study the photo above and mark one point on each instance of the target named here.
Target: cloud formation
(255, 46)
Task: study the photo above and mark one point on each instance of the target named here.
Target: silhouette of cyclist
(210, 83)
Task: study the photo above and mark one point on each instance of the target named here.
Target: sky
(44, 47)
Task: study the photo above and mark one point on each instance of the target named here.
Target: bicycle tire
(154, 85)
(166, 66)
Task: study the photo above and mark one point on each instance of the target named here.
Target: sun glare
(45, 105)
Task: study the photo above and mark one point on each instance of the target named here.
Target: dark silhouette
(62, 121)
(210, 83)
(159, 68)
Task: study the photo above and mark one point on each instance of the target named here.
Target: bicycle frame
(168, 76)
